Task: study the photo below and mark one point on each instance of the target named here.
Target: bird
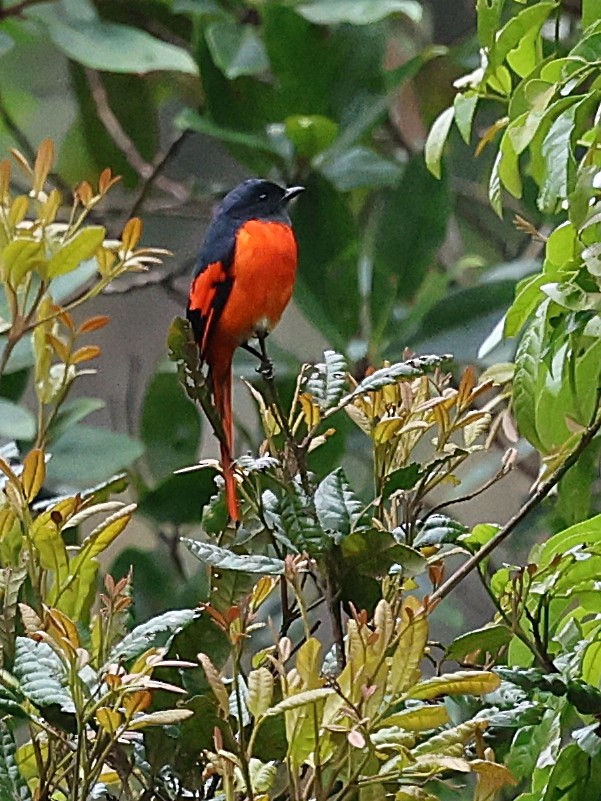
(242, 282)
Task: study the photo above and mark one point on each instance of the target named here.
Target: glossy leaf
(236, 49)
(42, 674)
(12, 784)
(152, 633)
(357, 12)
(436, 140)
(473, 682)
(327, 380)
(77, 250)
(338, 508)
(488, 638)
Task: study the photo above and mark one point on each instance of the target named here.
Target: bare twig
(145, 170)
(17, 9)
(532, 502)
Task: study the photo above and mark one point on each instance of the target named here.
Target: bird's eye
(263, 196)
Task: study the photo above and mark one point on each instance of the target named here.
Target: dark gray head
(257, 199)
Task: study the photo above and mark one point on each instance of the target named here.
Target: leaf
(42, 674)
(359, 167)
(413, 368)
(477, 682)
(465, 107)
(409, 652)
(591, 12)
(304, 698)
(11, 581)
(522, 24)
(171, 440)
(419, 718)
(85, 456)
(215, 683)
(109, 46)
(179, 499)
(15, 421)
(436, 140)
(357, 12)
(20, 257)
(405, 478)
(260, 691)
(12, 784)
(326, 382)
(438, 529)
(236, 49)
(486, 639)
(528, 362)
(150, 634)
(310, 133)
(228, 560)
(34, 472)
(162, 717)
(76, 250)
(190, 120)
(336, 505)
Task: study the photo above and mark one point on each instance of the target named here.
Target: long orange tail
(222, 391)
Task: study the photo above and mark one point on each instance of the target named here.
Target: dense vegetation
(293, 657)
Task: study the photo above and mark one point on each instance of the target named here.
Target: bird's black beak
(291, 193)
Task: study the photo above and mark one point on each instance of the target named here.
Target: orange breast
(264, 270)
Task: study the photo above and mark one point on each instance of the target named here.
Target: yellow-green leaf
(308, 663)
(20, 257)
(260, 691)
(410, 650)
(475, 682)
(109, 719)
(81, 247)
(419, 719)
(304, 698)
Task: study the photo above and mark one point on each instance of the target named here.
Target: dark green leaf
(299, 525)
(405, 478)
(189, 119)
(154, 632)
(488, 638)
(179, 499)
(171, 439)
(13, 786)
(224, 559)
(338, 508)
(42, 674)
(376, 553)
(83, 455)
(438, 529)
(72, 412)
(327, 380)
(528, 362)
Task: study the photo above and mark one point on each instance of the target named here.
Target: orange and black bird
(242, 283)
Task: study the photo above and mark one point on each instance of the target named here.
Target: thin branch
(125, 144)
(532, 502)
(17, 9)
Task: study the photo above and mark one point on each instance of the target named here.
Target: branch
(17, 9)
(532, 502)
(122, 140)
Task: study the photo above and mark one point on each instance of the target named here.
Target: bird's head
(258, 199)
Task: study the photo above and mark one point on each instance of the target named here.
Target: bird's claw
(265, 370)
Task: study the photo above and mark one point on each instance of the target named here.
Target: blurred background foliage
(184, 98)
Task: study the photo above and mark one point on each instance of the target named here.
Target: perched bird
(242, 283)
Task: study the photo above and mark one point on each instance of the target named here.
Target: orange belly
(264, 270)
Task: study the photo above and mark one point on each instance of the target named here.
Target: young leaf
(477, 682)
(304, 698)
(228, 560)
(436, 140)
(215, 682)
(260, 691)
(80, 248)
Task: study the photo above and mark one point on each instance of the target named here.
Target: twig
(125, 144)
(17, 9)
(532, 502)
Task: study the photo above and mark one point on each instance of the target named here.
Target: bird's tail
(222, 391)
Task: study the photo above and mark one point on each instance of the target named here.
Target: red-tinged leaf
(34, 472)
(43, 164)
(93, 323)
(85, 354)
(132, 233)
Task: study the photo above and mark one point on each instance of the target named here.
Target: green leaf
(171, 440)
(42, 674)
(489, 20)
(151, 634)
(417, 366)
(327, 380)
(260, 691)
(76, 250)
(357, 12)
(228, 560)
(465, 107)
(15, 421)
(405, 478)
(108, 46)
(508, 167)
(299, 525)
(236, 49)
(377, 553)
(528, 21)
(528, 362)
(304, 698)
(591, 12)
(84, 456)
(488, 638)
(359, 167)
(179, 499)
(310, 134)
(436, 140)
(338, 508)
(587, 532)
(13, 786)
(72, 412)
